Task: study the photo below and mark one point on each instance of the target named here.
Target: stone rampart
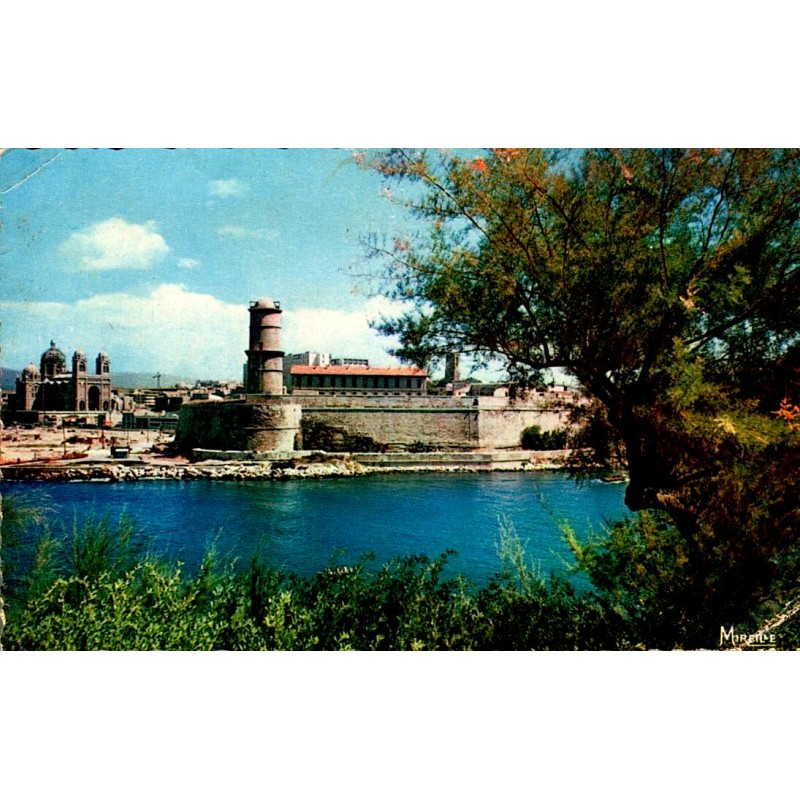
(382, 401)
(358, 423)
(503, 427)
(342, 429)
(233, 425)
(461, 426)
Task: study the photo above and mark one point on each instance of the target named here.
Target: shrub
(104, 598)
(100, 594)
(534, 439)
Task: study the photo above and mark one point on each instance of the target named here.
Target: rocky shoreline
(108, 472)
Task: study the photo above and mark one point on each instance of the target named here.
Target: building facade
(358, 379)
(51, 387)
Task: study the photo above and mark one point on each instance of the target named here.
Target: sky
(153, 255)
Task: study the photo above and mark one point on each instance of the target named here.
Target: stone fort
(352, 407)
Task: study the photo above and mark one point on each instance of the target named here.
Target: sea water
(306, 525)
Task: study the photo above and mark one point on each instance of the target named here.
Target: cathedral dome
(31, 372)
(53, 361)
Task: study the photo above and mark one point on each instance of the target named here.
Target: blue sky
(153, 255)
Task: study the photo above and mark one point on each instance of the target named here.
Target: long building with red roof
(358, 379)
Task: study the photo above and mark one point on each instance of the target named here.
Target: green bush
(533, 439)
(97, 591)
(105, 597)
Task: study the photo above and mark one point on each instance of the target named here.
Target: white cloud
(188, 263)
(115, 244)
(226, 188)
(240, 232)
(177, 331)
(232, 231)
(345, 334)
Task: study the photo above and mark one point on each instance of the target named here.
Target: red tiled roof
(355, 369)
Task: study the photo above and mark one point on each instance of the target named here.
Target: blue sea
(303, 526)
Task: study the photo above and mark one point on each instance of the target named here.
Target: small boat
(616, 478)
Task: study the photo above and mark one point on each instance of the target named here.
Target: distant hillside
(139, 380)
(8, 378)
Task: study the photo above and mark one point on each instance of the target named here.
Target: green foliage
(104, 600)
(520, 609)
(645, 592)
(532, 438)
(640, 574)
(665, 281)
(97, 549)
(652, 594)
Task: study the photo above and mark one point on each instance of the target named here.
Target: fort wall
(347, 410)
(432, 425)
(341, 423)
(362, 428)
(502, 427)
(231, 425)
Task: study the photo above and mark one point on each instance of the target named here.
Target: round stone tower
(263, 421)
(265, 356)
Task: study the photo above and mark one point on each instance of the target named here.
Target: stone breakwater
(178, 472)
(244, 471)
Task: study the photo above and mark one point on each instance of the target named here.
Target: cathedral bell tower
(79, 382)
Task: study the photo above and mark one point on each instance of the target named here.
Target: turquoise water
(302, 525)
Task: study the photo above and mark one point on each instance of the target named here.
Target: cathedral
(52, 388)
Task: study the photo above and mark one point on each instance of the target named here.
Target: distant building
(452, 372)
(149, 421)
(353, 379)
(350, 362)
(170, 400)
(307, 359)
(52, 388)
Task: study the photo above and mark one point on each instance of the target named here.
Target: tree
(666, 282)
